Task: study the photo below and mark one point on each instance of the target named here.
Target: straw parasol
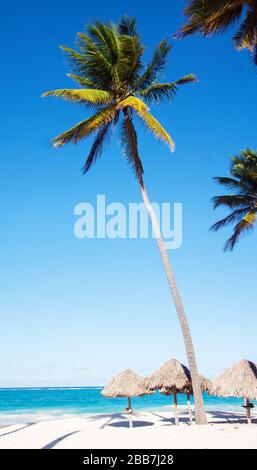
(240, 380)
(169, 379)
(126, 384)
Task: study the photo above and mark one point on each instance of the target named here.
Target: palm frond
(159, 92)
(89, 63)
(133, 102)
(246, 36)
(245, 225)
(224, 16)
(105, 37)
(209, 17)
(96, 65)
(156, 65)
(243, 203)
(232, 201)
(85, 127)
(108, 66)
(127, 26)
(97, 147)
(75, 58)
(128, 140)
(151, 123)
(230, 219)
(85, 96)
(194, 24)
(156, 128)
(84, 82)
(130, 64)
(232, 183)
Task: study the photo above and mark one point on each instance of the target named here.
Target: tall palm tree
(214, 16)
(108, 65)
(243, 201)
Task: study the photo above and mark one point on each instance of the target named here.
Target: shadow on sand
(222, 417)
(136, 424)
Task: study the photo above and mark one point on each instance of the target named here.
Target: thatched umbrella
(169, 379)
(239, 380)
(126, 384)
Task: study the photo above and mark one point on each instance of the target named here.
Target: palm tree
(214, 16)
(108, 65)
(243, 201)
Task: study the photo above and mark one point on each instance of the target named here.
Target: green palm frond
(165, 91)
(107, 63)
(105, 37)
(88, 97)
(127, 26)
(75, 58)
(130, 64)
(86, 127)
(83, 64)
(243, 202)
(157, 64)
(84, 82)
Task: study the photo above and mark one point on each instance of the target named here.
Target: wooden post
(189, 408)
(248, 410)
(175, 406)
(130, 413)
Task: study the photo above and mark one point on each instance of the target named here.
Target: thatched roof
(125, 384)
(205, 385)
(171, 374)
(239, 380)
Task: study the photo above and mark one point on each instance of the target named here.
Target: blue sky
(74, 312)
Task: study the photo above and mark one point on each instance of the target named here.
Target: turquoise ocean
(27, 405)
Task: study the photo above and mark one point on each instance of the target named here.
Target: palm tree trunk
(200, 417)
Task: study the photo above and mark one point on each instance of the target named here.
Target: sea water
(34, 404)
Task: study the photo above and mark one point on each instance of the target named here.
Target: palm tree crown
(109, 68)
(243, 201)
(213, 16)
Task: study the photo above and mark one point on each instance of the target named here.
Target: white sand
(152, 430)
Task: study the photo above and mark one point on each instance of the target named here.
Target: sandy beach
(151, 430)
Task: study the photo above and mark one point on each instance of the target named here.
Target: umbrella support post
(130, 413)
(176, 407)
(189, 408)
(248, 410)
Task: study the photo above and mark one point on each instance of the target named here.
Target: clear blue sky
(74, 312)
